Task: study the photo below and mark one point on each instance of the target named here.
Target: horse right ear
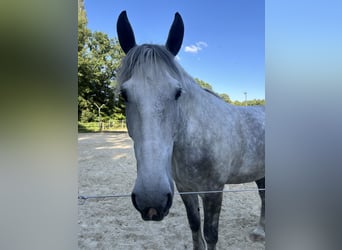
(125, 33)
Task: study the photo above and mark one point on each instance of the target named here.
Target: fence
(83, 198)
(114, 125)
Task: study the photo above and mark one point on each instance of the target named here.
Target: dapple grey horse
(185, 134)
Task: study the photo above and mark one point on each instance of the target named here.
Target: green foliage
(250, 102)
(112, 125)
(225, 97)
(99, 58)
(203, 84)
(83, 31)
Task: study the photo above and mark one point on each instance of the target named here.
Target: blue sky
(223, 40)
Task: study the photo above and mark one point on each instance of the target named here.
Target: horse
(185, 135)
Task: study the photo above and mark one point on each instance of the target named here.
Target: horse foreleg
(258, 233)
(212, 208)
(193, 213)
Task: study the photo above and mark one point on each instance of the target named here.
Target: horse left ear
(176, 33)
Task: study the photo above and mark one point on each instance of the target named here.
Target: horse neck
(201, 106)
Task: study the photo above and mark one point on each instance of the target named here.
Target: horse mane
(212, 92)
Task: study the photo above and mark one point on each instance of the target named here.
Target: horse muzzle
(152, 209)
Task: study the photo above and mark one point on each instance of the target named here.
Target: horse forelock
(148, 58)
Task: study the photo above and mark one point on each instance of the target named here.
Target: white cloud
(194, 48)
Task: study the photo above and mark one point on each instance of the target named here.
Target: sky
(224, 40)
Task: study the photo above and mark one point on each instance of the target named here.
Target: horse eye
(123, 93)
(178, 93)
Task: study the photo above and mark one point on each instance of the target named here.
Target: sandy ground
(107, 166)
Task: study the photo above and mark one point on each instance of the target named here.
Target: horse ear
(125, 32)
(176, 33)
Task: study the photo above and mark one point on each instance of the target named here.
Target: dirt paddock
(107, 166)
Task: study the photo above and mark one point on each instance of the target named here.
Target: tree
(238, 103)
(99, 58)
(250, 102)
(203, 84)
(83, 31)
(225, 97)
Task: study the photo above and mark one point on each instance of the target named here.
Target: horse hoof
(258, 234)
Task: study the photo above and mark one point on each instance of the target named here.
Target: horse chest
(195, 168)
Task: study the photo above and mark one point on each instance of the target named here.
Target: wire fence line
(84, 198)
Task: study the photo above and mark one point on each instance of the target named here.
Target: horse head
(150, 84)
